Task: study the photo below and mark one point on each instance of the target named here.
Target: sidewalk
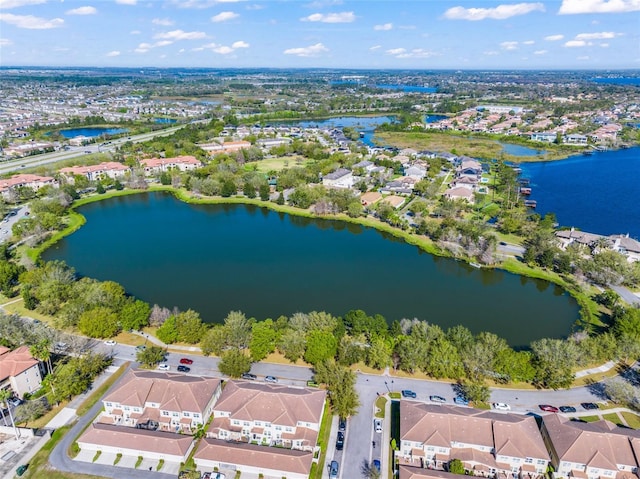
(600, 369)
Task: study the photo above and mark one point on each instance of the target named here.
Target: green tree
(134, 315)
(554, 360)
(264, 192)
(168, 333)
(321, 345)
(228, 189)
(263, 339)
(165, 178)
(151, 356)
(292, 344)
(476, 392)
(455, 466)
(189, 327)
(340, 382)
(99, 322)
(249, 189)
(214, 341)
(234, 363)
(238, 329)
(9, 273)
(100, 189)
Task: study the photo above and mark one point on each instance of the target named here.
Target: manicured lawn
(380, 405)
(323, 442)
(633, 420)
(277, 164)
(613, 417)
(590, 418)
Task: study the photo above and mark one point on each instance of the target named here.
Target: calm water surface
(596, 193)
(518, 150)
(91, 132)
(217, 258)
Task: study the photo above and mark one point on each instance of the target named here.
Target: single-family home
(273, 142)
(488, 443)
(627, 246)
(416, 171)
(181, 163)
(170, 401)
(20, 371)
(35, 182)
(469, 182)
(226, 147)
(251, 417)
(370, 198)
(366, 165)
(459, 193)
(546, 137)
(110, 169)
(341, 178)
(590, 450)
(395, 201)
(469, 167)
(575, 139)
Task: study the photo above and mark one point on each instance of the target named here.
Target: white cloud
(509, 45)
(162, 43)
(180, 35)
(596, 36)
(127, 2)
(323, 3)
(310, 51)
(223, 50)
(343, 17)
(386, 26)
(114, 53)
(540, 52)
(255, 6)
(164, 22)
(604, 45)
(528, 42)
(491, 53)
(554, 38)
(396, 51)
(375, 47)
(6, 4)
(82, 11)
(224, 16)
(4, 42)
(200, 4)
(239, 44)
(501, 12)
(575, 43)
(417, 53)
(143, 48)
(570, 7)
(30, 22)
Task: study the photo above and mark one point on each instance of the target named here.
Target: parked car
(271, 379)
(333, 470)
(340, 441)
(342, 425)
(376, 465)
(377, 424)
(183, 369)
(22, 469)
(110, 342)
(15, 402)
(149, 425)
(164, 367)
(548, 408)
(501, 406)
(589, 405)
(439, 399)
(407, 393)
(567, 409)
(141, 347)
(186, 361)
(249, 376)
(461, 400)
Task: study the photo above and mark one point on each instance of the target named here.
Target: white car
(378, 425)
(164, 367)
(110, 342)
(501, 406)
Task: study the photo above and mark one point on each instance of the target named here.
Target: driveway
(128, 462)
(85, 455)
(106, 458)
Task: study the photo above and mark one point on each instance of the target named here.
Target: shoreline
(587, 309)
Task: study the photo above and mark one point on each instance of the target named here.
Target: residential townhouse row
(251, 427)
(505, 445)
(20, 372)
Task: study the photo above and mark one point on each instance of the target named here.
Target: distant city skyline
(358, 34)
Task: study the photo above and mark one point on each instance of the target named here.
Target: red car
(548, 408)
(186, 361)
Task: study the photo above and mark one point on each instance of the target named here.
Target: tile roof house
(253, 416)
(176, 402)
(158, 165)
(487, 443)
(20, 371)
(110, 169)
(590, 450)
(459, 192)
(34, 182)
(341, 178)
(370, 198)
(226, 147)
(623, 244)
(407, 472)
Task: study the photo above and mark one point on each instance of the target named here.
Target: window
(196, 415)
(258, 423)
(165, 413)
(288, 429)
(127, 408)
(236, 422)
(246, 423)
(529, 460)
(108, 404)
(175, 414)
(186, 414)
(278, 428)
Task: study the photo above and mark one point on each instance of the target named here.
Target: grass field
(277, 164)
(633, 420)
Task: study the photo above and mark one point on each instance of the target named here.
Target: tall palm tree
(42, 351)
(5, 394)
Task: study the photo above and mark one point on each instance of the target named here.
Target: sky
(358, 34)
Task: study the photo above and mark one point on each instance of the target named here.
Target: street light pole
(387, 386)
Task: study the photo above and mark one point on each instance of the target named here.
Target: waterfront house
(395, 201)
(575, 139)
(595, 243)
(35, 182)
(341, 178)
(459, 193)
(590, 450)
(469, 167)
(546, 137)
(110, 169)
(180, 163)
(174, 402)
(370, 198)
(489, 444)
(20, 371)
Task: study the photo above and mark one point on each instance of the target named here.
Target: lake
(91, 132)
(518, 150)
(218, 258)
(596, 193)
(165, 120)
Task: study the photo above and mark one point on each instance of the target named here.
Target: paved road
(75, 151)
(8, 221)
(627, 295)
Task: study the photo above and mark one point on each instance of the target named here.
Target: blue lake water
(91, 132)
(619, 81)
(518, 150)
(596, 193)
(364, 124)
(165, 120)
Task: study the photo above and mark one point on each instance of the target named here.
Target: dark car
(250, 376)
(333, 470)
(461, 401)
(406, 393)
(186, 361)
(567, 409)
(589, 405)
(271, 379)
(340, 441)
(548, 408)
(342, 425)
(184, 369)
(376, 465)
(22, 469)
(439, 399)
